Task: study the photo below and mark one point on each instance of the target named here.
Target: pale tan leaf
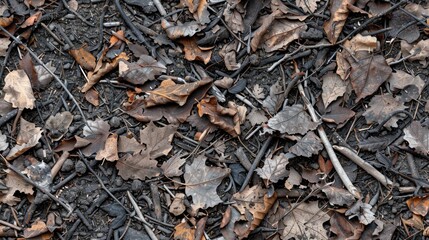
(332, 88)
(419, 52)
(281, 33)
(157, 139)
(294, 179)
(58, 125)
(292, 120)
(417, 137)
(110, 150)
(274, 169)
(339, 13)
(3, 142)
(15, 183)
(361, 43)
(4, 45)
(188, 29)
(28, 137)
(380, 107)
(138, 166)
(233, 19)
(307, 5)
(96, 132)
(171, 167)
(362, 211)
(18, 90)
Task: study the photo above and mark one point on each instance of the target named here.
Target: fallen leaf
(339, 14)
(309, 145)
(294, 179)
(30, 21)
(305, 221)
(177, 207)
(110, 150)
(332, 88)
(169, 91)
(419, 52)
(362, 211)
(201, 124)
(128, 144)
(157, 139)
(26, 64)
(6, 21)
(83, 58)
(258, 91)
(96, 132)
(343, 66)
(274, 169)
(3, 142)
(399, 23)
(18, 91)
(28, 137)
(202, 181)
(37, 228)
(4, 46)
(401, 80)
(414, 222)
(188, 29)
(92, 97)
(256, 116)
(171, 167)
(225, 118)
(58, 125)
(225, 82)
(419, 205)
(345, 228)
(228, 53)
(43, 76)
(380, 107)
(308, 6)
(70, 144)
(185, 232)
(338, 114)
(101, 69)
(199, 9)
(292, 120)
(417, 137)
(275, 99)
(146, 68)
(73, 4)
(138, 166)
(194, 52)
(14, 183)
(338, 196)
(229, 223)
(374, 143)
(233, 18)
(367, 74)
(34, 3)
(361, 43)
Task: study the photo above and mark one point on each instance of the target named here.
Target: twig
(48, 70)
(160, 8)
(414, 171)
(140, 215)
(10, 225)
(8, 116)
(322, 134)
(256, 162)
(56, 168)
(286, 56)
(77, 14)
(364, 165)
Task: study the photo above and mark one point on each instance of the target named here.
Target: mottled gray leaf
(309, 145)
(292, 120)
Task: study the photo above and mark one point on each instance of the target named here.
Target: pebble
(80, 167)
(115, 122)
(77, 117)
(67, 66)
(43, 154)
(394, 210)
(136, 185)
(68, 165)
(119, 181)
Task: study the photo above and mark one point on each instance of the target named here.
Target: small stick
(160, 8)
(364, 165)
(10, 225)
(77, 14)
(140, 215)
(322, 134)
(56, 168)
(156, 201)
(286, 56)
(8, 116)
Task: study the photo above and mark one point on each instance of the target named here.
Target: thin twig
(10, 225)
(140, 215)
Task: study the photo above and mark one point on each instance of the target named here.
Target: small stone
(68, 165)
(136, 185)
(254, 59)
(67, 66)
(80, 167)
(99, 235)
(115, 122)
(43, 154)
(77, 117)
(394, 210)
(119, 181)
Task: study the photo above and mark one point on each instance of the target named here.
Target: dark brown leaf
(96, 132)
(26, 64)
(146, 68)
(380, 107)
(338, 114)
(138, 166)
(339, 13)
(345, 228)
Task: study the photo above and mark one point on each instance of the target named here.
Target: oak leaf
(380, 107)
(169, 91)
(138, 166)
(146, 68)
(18, 91)
(339, 13)
(417, 137)
(202, 181)
(194, 52)
(309, 145)
(28, 137)
(292, 120)
(274, 169)
(332, 88)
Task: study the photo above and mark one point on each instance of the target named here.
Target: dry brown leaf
(338, 196)
(361, 43)
(101, 69)
(275, 99)
(332, 88)
(228, 53)
(345, 228)
(73, 4)
(308, 6)
(401, 80)
(199, 9)
(83, 58)
(339, 13)
(58, 125)
(233, 18)
(26, 64)
(18, 90)
(34, 3)
(225, 82)
(417, 137)
(169, 91)
(399, 23)
(338, 114)
(6, 21)
(419, 51)
(92, 97)
(380, 107)
(96, 132)
(177, 207)
(138, 166)
(128, 144)
(202, 181)
(367, 74)
(117, 39)
(75, 142)
(414, 222)
(43, 76)
(419, 205)
(4, 46)
(146, 68)
(157, 139)
(32, 19)
(110, 150)
(28, 137)
(227, 119)
(307, 146)
(292, 120)
(188, 29)
(306, 216)
(274, 169)
(343, 66)
(171, 167)
(37, 228)
(257, 116)
(294, 179)
(362, 211)
(201, 124)
(14, 183)
(194, 52)
(185, 232)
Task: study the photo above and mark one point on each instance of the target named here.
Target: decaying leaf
(275, 99)
(169, 91)
(110, 150)
(194, 52)
(202, 181)
(345, 228)
(185, 232)
(417, 137)
(58, 125)
(367, 74)
(171, 167)
(30, 21)
(4, 45)
(28, 137)
(256, 116)
(419, 205)
(309, 145)
(37, 228)
(199, 9)
(201, 124)
(96, 132)
(157, 139)
(177, 207)
(34, 3)
(92, 97)
(332, 88)
(258, 91)
(307, 5)
(18, 91)
(26, 64)
(228, 53)
(227, 119)
(362, 211)
(338, 114)
(75, 142)
(339, 13)
(14, 183)
(419, 52)
(401, 80)
(292, 120)
(83, 58)
(399, 22)
(225, 82)
(233, 18)
(3, 142)
(188, 29)
(146, 68)
(305, 222)
(138, 166)
(414, 222)
(338, 196)
(294, 179)
(43, 76)
(274, 169)
(361, 43)
(380, 107)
